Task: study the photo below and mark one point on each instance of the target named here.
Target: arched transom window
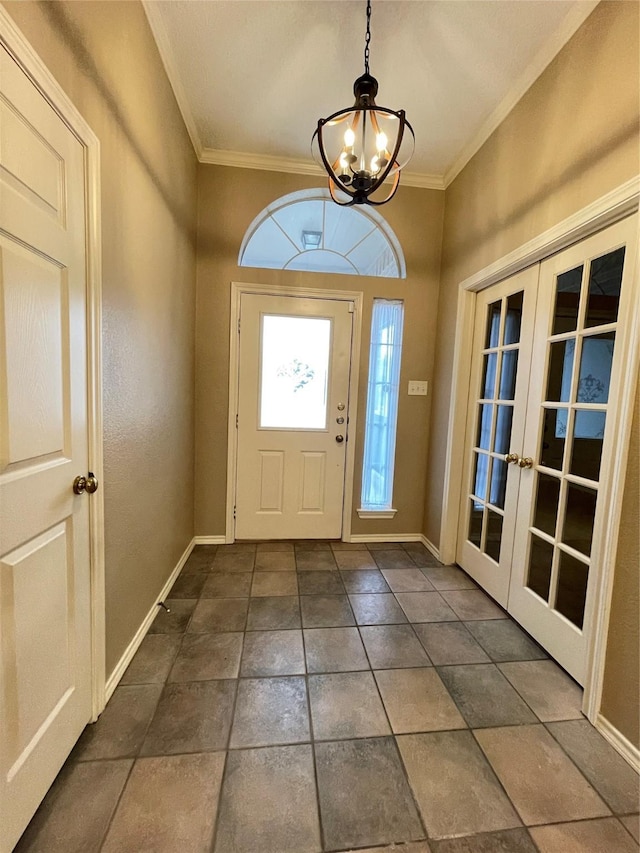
(307, 231)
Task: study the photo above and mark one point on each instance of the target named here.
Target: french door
(561, 438)
(293, 399)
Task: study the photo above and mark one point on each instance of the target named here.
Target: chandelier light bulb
(381, 142)
(349, 138)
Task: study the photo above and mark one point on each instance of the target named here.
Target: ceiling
(252, 77)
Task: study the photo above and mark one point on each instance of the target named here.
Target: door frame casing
(13, 40)
(610, 208)
(237, 290)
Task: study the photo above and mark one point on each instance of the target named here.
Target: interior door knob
(85, 484)
(339, 439)
(525, 462)
(512, 457)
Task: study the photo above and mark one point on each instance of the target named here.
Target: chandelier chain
(367, 38)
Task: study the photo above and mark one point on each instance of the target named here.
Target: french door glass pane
(595, 368)
(475, 523)
(560, 369)
(565, 315)
(508, 374)
(504, 422)
(546, 506)
(494, 535)
(481, 476)
(554, 430)
(579, 516)
(483, 437)
(493, 325)
(571, 592)
(605, 280)
(540, 564)
(513, 319)
(489, 376)
(498, 482)
(586, 452)
(295, 372)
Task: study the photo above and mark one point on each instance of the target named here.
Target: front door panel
(292, 416)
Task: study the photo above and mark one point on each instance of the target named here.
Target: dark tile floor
(303, 697)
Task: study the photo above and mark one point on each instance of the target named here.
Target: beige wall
(572, 138)
(229, 199)
(104, 57)
(620, 704)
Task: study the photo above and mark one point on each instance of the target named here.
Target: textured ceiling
(254, 77)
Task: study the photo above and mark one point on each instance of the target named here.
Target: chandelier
(361, 147)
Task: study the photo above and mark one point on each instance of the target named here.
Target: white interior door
(293, 410)
(498, 384)
(576, 379)
(45, 660)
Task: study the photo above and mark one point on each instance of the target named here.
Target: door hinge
(238, 325)
(236, 422)
(352, 308)
(234, 512)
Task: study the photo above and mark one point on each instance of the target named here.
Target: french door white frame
(22, 52)
(237, 289)
(610, 208)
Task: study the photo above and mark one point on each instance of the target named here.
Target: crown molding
(269, 163)
(159, 32)
(572, 22)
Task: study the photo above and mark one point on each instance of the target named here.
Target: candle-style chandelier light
(361, 147)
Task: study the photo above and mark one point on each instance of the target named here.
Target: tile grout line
(311, 730)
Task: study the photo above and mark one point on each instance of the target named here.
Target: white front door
(293, 410)
(45, 649)
(528, 529)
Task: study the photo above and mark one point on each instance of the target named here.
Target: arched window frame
(376, 220)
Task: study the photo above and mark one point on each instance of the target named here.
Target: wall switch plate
(418, 388)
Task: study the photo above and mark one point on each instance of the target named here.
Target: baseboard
(209, 540)
(132, 648)
(431, 547)
(619, 742)
(385, 537)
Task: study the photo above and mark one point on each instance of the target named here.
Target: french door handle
(525, 462)
(512, 457)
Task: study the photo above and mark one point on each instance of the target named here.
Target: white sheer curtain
(382, 404)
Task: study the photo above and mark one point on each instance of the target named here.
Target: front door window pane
(565, 316)
(294, 372)
(595, 368)
(605, 281)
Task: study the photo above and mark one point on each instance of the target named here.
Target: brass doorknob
(512, 457)
(339, 439)
(526, 462)
(85, 484)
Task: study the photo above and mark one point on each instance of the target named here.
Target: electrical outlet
(418, 388)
